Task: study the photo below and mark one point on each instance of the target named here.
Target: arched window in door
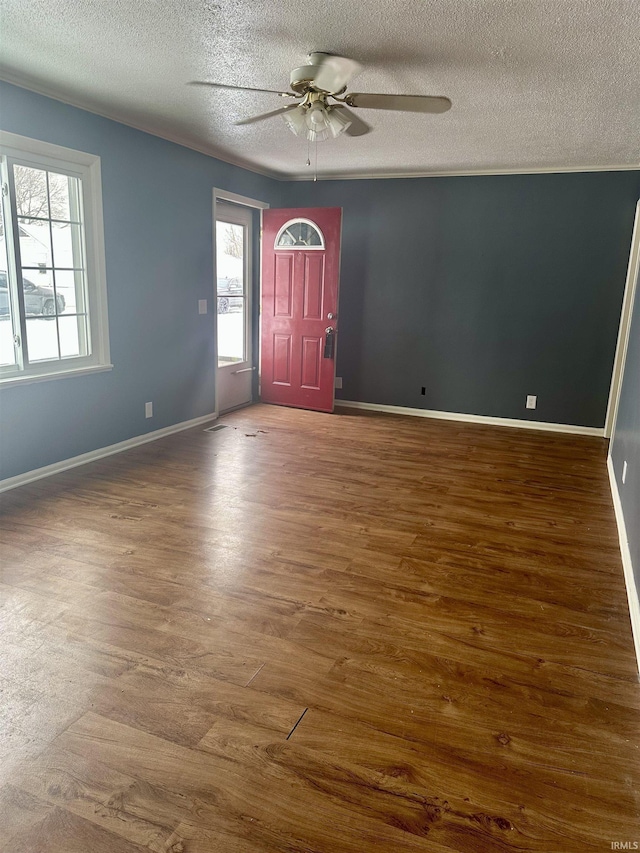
(299, 234)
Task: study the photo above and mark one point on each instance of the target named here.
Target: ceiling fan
(324, 107)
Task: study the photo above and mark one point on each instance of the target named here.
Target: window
(299, 234)
(233, 248)
(53, 312)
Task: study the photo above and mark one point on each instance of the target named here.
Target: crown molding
(226, 157)
(465, 173)
(209, 151)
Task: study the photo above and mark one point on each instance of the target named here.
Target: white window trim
(240, 216)
(86, 166)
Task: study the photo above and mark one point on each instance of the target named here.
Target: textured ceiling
(535, 84)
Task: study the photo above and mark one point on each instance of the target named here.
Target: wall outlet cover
(148, 410)
(202, 306)
(624, 472)
(532, 401)
(338, 382)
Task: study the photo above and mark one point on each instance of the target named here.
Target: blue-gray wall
(482, 290)
(626, 441)
(158, 239)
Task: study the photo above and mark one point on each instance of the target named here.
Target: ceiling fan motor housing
(303, 78)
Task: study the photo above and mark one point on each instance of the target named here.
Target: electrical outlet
(624, 471)
(338, 382)
(148, 410)
(202, 306)
(423, 391)
(532, 401)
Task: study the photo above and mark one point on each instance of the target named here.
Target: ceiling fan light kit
(316, 121)
(327, 76)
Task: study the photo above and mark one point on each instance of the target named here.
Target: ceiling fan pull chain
(315, 176)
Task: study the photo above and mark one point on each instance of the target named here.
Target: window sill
(27, 379)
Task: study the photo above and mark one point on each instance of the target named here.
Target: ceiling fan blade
(264, 116)
(243, 88)
(335, 72)
(357, 126)
(401, 103)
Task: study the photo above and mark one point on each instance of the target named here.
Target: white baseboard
(629, 579)
(100, 453)
(473, 419)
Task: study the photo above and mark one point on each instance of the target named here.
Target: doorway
(234, 305)
(243, 324)
(633, 276)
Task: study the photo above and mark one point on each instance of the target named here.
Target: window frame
(229, 213)
(43, 155)
(299, 247)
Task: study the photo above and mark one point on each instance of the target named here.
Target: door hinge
(5, 189)
(16, 340)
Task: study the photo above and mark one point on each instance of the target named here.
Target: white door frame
(222, 196)
(633, 271)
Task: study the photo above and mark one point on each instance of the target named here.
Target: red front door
(300, 276)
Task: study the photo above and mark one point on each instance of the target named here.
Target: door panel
(282, 359)
(283, 290)
(311, 354)
(299, 305)
(313, 282)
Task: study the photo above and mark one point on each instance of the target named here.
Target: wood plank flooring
(319, 634)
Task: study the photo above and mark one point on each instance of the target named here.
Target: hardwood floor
(319, 634)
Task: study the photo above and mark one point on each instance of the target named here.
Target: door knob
(329, 342)
(330, 316)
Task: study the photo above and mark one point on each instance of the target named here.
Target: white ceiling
(535, 84)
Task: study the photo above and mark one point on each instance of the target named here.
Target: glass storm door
(233, 240)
